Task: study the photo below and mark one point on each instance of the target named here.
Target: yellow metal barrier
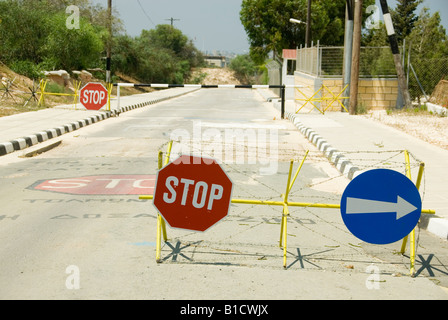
(110, 86)
(333, 98)
(412, 248)
(43, 85)
(161, 225)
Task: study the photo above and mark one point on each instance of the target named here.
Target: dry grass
(15, 101)
(421, 124)
(215, 76)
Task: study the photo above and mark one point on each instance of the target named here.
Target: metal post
(355, 57)
(348, 46)
(283, 97)
(396, 53)
(319, 59)
(308, 24)
(109, 41)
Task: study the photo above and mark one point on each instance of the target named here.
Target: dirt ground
(216, 76)
(20, 94)
(421, 124)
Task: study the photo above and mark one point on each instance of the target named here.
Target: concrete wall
(373, 93)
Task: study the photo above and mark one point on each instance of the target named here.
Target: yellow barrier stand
(333, 98)
(310, 100)
(336, 98)
(110, 86)
(161, 225)
(43, 84)
(412, 248)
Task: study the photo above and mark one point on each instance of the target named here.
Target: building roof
(290, 54)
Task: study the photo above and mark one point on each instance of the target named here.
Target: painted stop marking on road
(99, 185)
(193, 193)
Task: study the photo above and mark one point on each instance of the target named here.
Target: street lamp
(296, 21)
(308, 24)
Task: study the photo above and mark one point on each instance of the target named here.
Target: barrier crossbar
(210, 86)
(43, 85)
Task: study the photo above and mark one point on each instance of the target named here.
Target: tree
(71, 49)
(22, 32)
(244, 68)
(429, 52)
(163, 55)
(267, 25)
(34, 37)
(35, 33)
(404, 17)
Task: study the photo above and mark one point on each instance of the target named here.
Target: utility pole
(109, 41)
(354, 78)
(308, 25)
(396, 53)
(348, 46)
(172, 21)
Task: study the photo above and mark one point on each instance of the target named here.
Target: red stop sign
(193, 193)
(93, 96)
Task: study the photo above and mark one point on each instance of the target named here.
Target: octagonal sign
(93, 96)
(193, 193)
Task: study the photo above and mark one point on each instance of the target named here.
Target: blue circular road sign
(381, 206)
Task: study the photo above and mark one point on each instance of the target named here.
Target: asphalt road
(72, 225)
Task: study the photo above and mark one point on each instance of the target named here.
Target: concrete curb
(434, 108)
(342, 163)
(42, 136)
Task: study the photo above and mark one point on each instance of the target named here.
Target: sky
(211, 24)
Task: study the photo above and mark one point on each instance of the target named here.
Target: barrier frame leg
(161, 224)
(310, 100)
(336, 98)
(285, 213)
(412, 244)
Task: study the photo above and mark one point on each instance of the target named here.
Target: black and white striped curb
(31, 140)
(149, 102)
(342, 163)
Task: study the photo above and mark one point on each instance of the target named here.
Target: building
(216, 61)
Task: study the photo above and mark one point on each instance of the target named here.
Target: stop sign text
(193, 193)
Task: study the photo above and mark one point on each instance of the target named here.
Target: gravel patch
(428, 127)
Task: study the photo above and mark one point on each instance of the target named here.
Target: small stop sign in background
(193, 193)
(93, 96)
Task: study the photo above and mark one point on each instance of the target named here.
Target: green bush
(27, 68)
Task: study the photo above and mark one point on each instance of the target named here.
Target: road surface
(72, 225)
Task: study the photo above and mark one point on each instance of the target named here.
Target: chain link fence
(275, 74)
(423, 77)
(328, 62)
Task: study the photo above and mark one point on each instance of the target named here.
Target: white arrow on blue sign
(381, 206)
